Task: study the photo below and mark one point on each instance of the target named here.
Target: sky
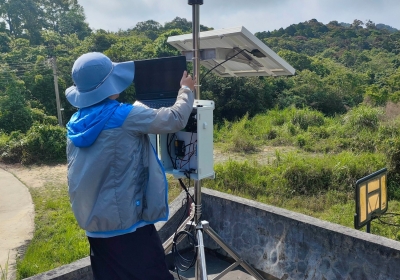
(254, 15)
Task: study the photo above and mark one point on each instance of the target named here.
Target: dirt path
(36, 176)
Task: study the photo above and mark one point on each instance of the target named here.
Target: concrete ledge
(77, 270)
(281, 243)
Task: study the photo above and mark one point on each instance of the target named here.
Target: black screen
(159, 77)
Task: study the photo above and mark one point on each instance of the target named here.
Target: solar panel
(249, 56)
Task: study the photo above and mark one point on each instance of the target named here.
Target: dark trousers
(135, 256)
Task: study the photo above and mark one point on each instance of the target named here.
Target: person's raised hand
(187, 81)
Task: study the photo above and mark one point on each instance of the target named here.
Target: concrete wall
(282, 243)
(289, 245)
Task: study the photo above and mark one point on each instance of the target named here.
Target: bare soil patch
(36, 176)
(265, 155)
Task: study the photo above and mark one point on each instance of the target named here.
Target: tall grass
(4, 271)
(362, 130)
(293, 174)
(319, 181)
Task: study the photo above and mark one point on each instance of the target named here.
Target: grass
(57, 238)
(4, 271)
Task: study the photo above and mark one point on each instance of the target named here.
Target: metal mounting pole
(200, 269)
(196, 73)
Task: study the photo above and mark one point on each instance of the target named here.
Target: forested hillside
(337, 67)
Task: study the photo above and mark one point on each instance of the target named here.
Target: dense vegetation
(339, 115)
(338, 67)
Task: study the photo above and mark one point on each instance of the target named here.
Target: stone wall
(281, 243)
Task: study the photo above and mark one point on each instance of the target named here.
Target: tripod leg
(230, 251)
(200, 269)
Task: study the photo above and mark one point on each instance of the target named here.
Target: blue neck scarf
(85, 125)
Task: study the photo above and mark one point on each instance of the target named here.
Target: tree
(14, 113)
(27, 18)
(24, 18)
(73, 22)
(357, 23)
(298, 61)
(9, 13)
(162, 48)
(4, 42)
(99, 41)
(150, 28)
(179, 23)
(182, 24)
(128, 48)
(235, 97)
(370, 25)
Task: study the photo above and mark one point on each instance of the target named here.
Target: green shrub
(240, 136)
(306, 178)
(239, 178)
(277, 117)
(39, 116)
(295, 174)
(393, 159)
(306, 117)
(319, 132)
(271, 134)
(11, 147)
(301, 140)
(291, 129)
(44, 143)
(363, 117)
(363, 141)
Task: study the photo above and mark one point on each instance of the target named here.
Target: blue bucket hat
(96, 77)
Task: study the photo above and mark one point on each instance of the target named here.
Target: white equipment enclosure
(183, 154)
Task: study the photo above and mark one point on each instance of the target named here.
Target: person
(117, 185)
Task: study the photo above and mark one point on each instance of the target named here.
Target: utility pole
(54, 64)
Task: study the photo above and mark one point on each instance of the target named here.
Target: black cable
(181, 263)
(190, 153)
(387, 223)
(389, 215)
(222, 63)
(169, 151)
(176, 231)
(186, 189)
(183, 161)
